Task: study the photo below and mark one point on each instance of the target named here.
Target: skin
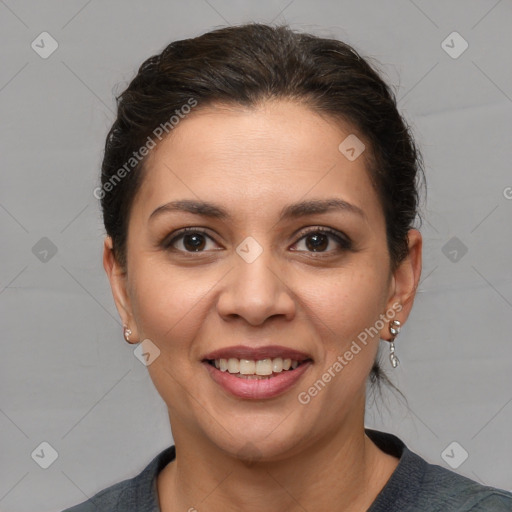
(274, 454)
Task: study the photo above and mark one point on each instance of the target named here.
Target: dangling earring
(127, 333)
(394, 329)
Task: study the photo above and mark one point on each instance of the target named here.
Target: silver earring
(127, 333)
(394, 329)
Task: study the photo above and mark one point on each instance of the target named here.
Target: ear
(404, 282)
(118, 284)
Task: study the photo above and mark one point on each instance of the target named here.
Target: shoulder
(137, 493)
(445, 490)
(497, 500)
(107, 499)
(418, 485)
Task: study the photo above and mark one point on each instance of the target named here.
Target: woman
(259, 190)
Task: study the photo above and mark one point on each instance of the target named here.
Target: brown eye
(319, 239)
(192, 240)
(317, 242)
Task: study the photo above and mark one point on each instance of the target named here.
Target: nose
(256, 290)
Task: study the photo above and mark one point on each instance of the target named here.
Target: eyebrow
(291, 211)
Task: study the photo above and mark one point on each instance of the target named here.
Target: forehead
(255, 160)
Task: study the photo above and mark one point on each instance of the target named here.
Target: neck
(343, 471)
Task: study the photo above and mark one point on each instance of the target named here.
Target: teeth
(277, 364)
(233, 365)
(264, 367)
(249, 367)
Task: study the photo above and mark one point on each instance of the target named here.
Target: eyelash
(344, 243)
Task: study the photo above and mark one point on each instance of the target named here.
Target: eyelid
(344, 241)
(169, 240)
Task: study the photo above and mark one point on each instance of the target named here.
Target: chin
(254, 437)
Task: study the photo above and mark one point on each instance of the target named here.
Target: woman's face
(255, 278)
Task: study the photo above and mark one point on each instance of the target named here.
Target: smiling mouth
(260, 369)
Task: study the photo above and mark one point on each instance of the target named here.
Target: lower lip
(257, 389)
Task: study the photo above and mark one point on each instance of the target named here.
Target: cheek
(165, 300)
(168, 308)
(346, 308)
(346, 301)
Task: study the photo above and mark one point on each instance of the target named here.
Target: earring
(394, 329)
(127, 333)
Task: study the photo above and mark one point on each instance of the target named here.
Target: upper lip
(257, 353)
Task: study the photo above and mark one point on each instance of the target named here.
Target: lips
(256, 353)
(267, 384)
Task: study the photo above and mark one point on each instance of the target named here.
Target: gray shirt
(415, 486)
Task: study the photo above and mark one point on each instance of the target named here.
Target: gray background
(66, 375)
